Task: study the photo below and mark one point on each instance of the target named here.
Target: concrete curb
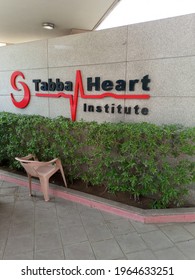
(174, 215)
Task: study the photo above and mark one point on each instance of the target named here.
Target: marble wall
(162, 51)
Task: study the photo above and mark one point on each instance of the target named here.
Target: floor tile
(73, 234)
(18, 245)
(187, 248)
(156, 240)
(20, 256)
(20, 229)
(1, 254)
(2, 244)
(190, 227)
(4, 229)
(72, 219)
(42, 214)
(48, 241)
(109, 216)
(60, 229)
(107, 250)
(176, 233)
(43, 205)
(142, 255)
(66, 211)
(91, 216)
(46, 225)
(8, 199)
(120, 226)
(141, 227)
(98, 232)
(131, 242)
(25, 205)
(6, 209)
(56, 254)
(172, 253)
(19, 217)
(79, 251)
(64, 205)
(11, 190)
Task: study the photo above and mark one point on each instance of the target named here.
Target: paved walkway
(61, 229)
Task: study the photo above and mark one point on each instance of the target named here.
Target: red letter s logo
(26, 99)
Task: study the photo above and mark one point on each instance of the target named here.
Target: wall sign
(58, 89)
(26, 99)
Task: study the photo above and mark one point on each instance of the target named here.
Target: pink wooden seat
(41, 170)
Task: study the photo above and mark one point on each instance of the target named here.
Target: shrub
(142, 159)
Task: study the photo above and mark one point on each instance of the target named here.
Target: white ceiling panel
(21, 20)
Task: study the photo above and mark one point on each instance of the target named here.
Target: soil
(101, 191)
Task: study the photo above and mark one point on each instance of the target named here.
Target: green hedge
(142, 159)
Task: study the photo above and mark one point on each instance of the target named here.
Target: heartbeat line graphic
(79, 88)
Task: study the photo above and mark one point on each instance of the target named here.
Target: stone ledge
(174, 215)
